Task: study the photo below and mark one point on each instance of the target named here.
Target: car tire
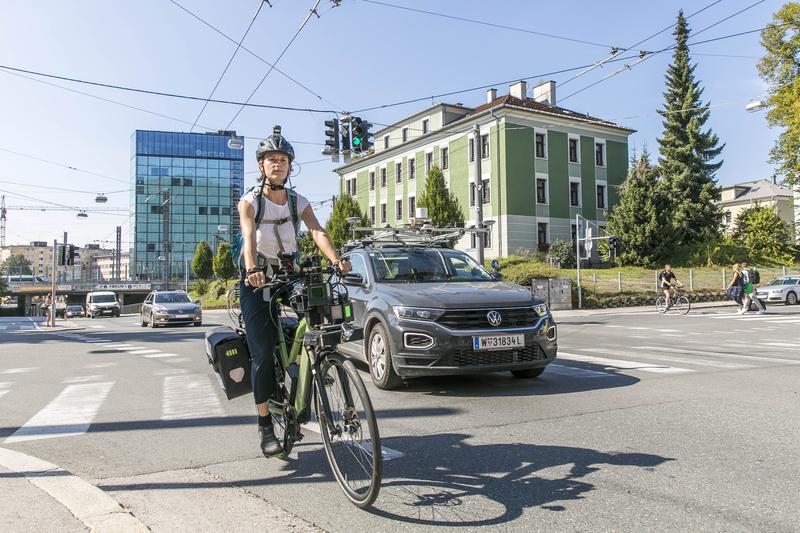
(529, 373)
(152, 322)
(144, 322)
(198, 324)
(379, 358)
(791, 298)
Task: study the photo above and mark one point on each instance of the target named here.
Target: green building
(540, 166)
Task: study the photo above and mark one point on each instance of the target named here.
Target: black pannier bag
(229, 357)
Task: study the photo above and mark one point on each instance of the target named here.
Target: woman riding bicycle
(260, 247)
(667, 280)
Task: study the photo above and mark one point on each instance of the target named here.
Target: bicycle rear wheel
(661, 304)
(682, 305)
(349, 430)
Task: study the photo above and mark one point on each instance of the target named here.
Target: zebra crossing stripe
(751, 358)
(619, 363)
(70, 413)
(160, 355)
(4, 388)
(683, 360)
(189, 396)
(142, 352)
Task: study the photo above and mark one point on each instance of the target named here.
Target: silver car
(781, 289)
(170, 307)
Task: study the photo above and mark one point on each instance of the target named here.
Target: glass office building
(185, 187)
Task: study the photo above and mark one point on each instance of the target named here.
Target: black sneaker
(270, 446)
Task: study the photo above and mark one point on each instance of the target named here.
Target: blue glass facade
(184, 187)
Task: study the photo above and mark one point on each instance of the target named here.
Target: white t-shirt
(266, 243)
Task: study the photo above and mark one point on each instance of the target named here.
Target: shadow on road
(442, 480)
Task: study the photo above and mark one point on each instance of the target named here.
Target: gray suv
(429, 311)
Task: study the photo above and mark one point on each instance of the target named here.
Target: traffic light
(70, 254)
(62, 255)
(615, 246)
(332, 139)
(345, 131)
(359, 130)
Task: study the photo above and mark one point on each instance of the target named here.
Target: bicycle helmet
(275, 143)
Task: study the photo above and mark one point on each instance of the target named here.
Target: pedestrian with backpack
(270, 216)
(751, 278)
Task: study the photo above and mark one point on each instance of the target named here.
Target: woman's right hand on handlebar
(256, 277)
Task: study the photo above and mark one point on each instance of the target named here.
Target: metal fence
(614, 281)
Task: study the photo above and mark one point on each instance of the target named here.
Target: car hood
(186, 307)
(458, 295)
(766, 288)
(104, 304)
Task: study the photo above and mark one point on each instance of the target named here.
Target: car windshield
(784, 281)
(172, 298)
(74, 308)
(414, 265)
(104, 298)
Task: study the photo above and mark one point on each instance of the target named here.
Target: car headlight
(417, 313)
(159, 310)
(541, 309)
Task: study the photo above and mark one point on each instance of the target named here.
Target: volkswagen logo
(494, 318)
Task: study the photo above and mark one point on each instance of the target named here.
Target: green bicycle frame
(288, 357)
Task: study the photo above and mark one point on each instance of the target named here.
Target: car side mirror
(197, 302)
(497, 276)
(353, 278)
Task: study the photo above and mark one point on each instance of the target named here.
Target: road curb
(89, 504)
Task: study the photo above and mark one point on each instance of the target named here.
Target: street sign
(589, 242)
(122, 286)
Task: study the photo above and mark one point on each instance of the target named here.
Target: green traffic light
(356, 141)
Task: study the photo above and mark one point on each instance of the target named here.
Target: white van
(102, 303)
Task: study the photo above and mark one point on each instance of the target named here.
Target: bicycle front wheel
(682, 305)
(349, 430)
(661, 304)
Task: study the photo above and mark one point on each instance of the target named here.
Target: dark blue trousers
(262, 336)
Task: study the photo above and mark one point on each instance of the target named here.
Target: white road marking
(669, 330)
(575, 372)
(97, 327)
(159, 355)
(619, 363)
(70, 413)
(119, 345)
(4, 388)
(19, 370)
(101, 365)
(189, 396)
(786, 344)
(84, 379)
(686, 360)
(92, 506)
(142, 352)
(387, 453)
(750, 358)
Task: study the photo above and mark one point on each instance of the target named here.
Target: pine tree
(688, 153)
(338, 228)
(223, 263)
(444, 210)
(201, 264)
(640, 218)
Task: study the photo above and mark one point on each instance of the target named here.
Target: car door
(146, 306)
(358, 295)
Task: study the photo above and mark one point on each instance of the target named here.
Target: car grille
(476, 318)
(462, 358)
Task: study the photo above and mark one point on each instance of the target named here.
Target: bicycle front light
(417, 313)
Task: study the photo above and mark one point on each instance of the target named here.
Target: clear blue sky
(355, 56)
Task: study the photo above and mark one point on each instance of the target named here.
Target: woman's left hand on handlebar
(343, 265)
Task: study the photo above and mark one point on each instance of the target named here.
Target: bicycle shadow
(442, 480)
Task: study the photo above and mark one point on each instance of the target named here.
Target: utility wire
(672, 47)
(76, 169)
(225, 70)
(491, 24)
(312, 11)
(166, 94)
(60, 188)
(287, 76)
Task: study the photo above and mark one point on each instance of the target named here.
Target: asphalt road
(644, 423)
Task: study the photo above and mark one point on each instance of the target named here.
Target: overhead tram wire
(69, 167)
(653, 54)
(284, 74)
(61, 188)
(166, 94)
(312, 11)
(225, 70)
(490, 24)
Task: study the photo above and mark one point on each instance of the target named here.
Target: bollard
(594, 282)
(619, 281)
(691, 280)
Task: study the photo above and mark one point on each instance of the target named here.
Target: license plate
(183, 316)
(498, 342)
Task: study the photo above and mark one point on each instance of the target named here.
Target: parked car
(784, 289)
(102, 303)
(429, 311)
(170, 307)
(73, 311)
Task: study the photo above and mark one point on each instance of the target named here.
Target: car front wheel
(529, 373)
(379, 357)
(791, 298)
(144, 322)
(152, 321)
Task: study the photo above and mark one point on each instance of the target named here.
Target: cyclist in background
(666, 281)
